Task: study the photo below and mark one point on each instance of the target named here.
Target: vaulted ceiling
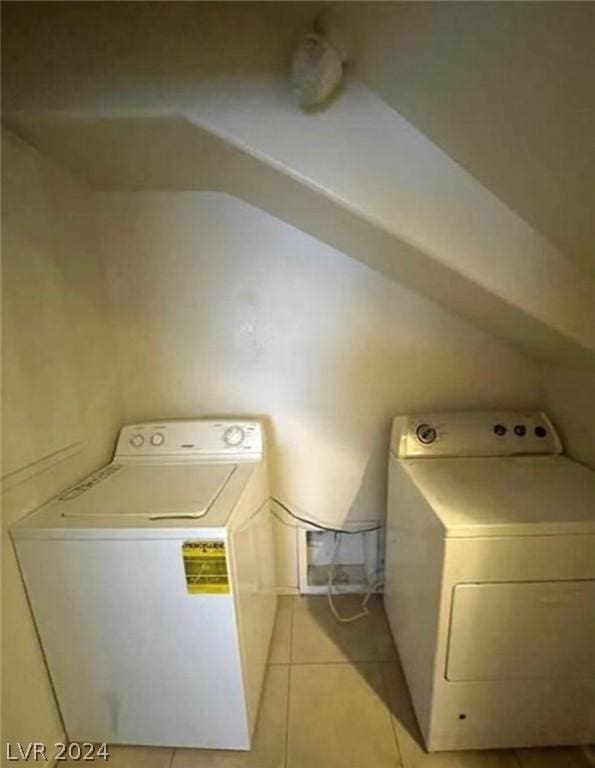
(483, 198)
(506, 89)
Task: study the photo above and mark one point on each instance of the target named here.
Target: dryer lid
(512, 496)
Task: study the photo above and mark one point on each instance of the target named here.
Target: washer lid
(520, 496)
(148, 492)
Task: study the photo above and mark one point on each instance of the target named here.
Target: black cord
(319, 525)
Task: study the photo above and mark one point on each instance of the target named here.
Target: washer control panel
(475, 433)
(219, 439)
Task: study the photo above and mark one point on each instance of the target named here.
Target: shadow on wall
(148, 55)
(373, 478)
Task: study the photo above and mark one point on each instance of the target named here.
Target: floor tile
(281, 640)
(268, 747)
(319, 638)
(409, 738)
(338, 718)
(131, 757)
(562, 757)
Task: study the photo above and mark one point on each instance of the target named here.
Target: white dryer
(152, 587)
(490, 580)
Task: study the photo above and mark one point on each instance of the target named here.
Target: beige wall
(570, 401)
(60, 392)
(223, 309)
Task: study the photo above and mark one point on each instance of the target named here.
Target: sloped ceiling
(506, 89)
(195, 95)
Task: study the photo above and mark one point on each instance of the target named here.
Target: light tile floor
(335, 697)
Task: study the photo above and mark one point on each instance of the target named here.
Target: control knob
(426, 434)
(233, 436)
(136, 441)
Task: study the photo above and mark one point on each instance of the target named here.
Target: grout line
(291, 619)
(346, 660)
(388, 703)
(173, 754)
(286, 756)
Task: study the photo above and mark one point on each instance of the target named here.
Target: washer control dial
(136, 441)
(157, 438)
(233, 436)
(426, 434)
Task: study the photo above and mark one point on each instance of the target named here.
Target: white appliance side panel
(134, 658)
(520, 631)
(253, 562)
(413, 582)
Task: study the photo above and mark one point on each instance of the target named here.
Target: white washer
(152, 587)
(490, 580)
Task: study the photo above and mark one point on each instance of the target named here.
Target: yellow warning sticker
(205, 565)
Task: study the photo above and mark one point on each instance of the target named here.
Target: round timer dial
(233, 436)
(426, 434)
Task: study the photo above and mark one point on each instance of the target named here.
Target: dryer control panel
(222, 439)
(474, 433)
